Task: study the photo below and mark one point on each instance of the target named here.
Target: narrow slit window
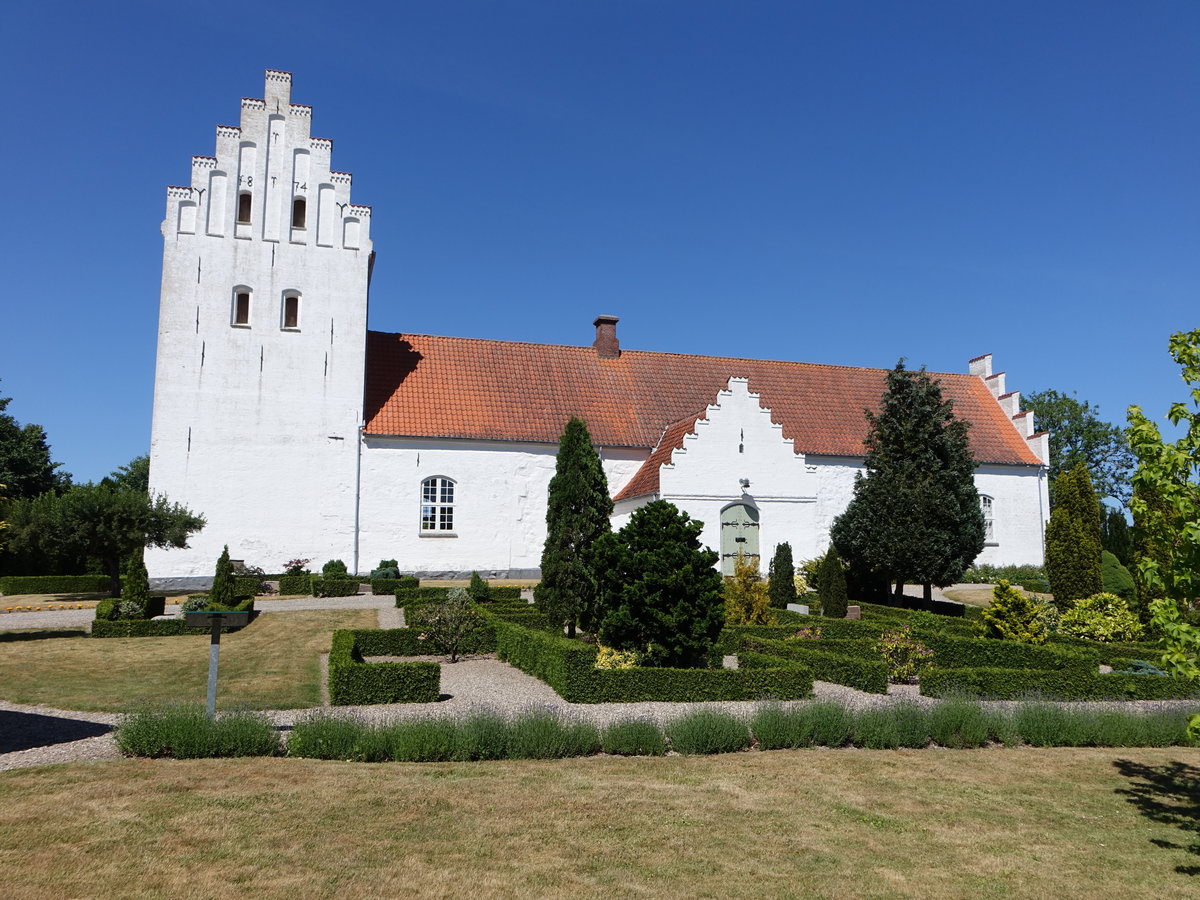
(244, 208)
(437, 504)
(291, 311)
(241, 308)
(989, 531)
(299, 212)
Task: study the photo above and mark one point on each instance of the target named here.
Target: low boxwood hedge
(109, 628)
(353, 682)
(568, 666)
(414, 596)
(54, 584)
(1065, 684)
(407, 642)
(391, 585)
(866, 674)
(1106, 652)
(987, 653)
(335, 587)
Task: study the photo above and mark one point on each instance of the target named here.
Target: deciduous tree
(577, 513)
(1079, 435)
(25, 463)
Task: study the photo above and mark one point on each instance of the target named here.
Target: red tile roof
(429, 386)
(645, 479)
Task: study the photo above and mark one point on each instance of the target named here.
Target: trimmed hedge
(1067, 684)
(296, 584)
(866, 674)
(353, 682)
(988, 653)
(1107, 652)
(246, 585)
(335, 587)
(107, 628)
(407, 642)
(54, 584)
(568, 666)
(391, 585)
(415, 596)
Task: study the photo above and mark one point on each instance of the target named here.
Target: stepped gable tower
(261, 344)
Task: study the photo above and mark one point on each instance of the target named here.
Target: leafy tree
(452, 626)
(1181, 649)
(1078, 435)
(1114, 535)
(25, 464)
(1013, 615)
(747, 601)
(102, 522)
(915, 518)
(781, 577)
(3, 524)
(1073, 540)
(334, 568)
(577, 514)
(134, 476)
(1166, 489)
(659, 594)
(221, 594)
(831, 586)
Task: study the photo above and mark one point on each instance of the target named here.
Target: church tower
(261, 345)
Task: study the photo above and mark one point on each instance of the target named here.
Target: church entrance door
(739, 533)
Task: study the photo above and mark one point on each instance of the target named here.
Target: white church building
(299, 433)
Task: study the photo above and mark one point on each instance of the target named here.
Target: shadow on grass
(6, 636)
(23, 731)
(1170, 795)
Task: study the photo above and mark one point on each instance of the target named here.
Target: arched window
(290, 314)
(437, 504)
(989, 532)
(241, 307)
(244, 208)
(299, 212)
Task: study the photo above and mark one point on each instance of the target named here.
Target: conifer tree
(1114, 535)
(915, 517)
(222, 586)
(659, 594)
(781, 577)
(577, 513)
(831, 586)
(137, 581)
(1073, 540)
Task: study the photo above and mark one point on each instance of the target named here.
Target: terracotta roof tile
(429, 386)
(645, 479)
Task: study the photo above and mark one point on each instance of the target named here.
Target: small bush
(1101, 617)
(633, 737)
(478, 589)
(912, 725)
(298, 585)
(222, 593)
(876, 729)
(194, 603)
(335, 568)
(483, 735)
(296, 566)
(423, 740)
(831, 585)
(1041, 724)
(905, 655)
(959, 723)
(608, 658)
(186, 732)
(1013, 616)
(832, 724)
(1116, 578)
(707, 731)
(323, 735)
(131, 609)
(776, 728)
(747, 601)
(451, 625)
(545, 735)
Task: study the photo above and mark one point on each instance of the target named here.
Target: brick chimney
(606, 343)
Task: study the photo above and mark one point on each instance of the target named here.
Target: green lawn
(923, 824)
(272, 664)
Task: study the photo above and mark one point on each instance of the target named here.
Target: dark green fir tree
(1073, 564)
(781, 577)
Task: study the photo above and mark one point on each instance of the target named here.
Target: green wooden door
(739, 533)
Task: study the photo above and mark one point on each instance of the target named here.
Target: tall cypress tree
(915, 517)
(781, 577)
(577, 512)
(221, 594)
(1073, 539)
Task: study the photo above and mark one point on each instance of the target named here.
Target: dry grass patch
(273, 664)
(928, 824)
(982, 595)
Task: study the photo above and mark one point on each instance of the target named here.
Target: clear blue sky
(841, 182)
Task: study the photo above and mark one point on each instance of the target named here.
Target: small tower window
(299, 211)
(244, 208)
(241, 307)
(291, 311)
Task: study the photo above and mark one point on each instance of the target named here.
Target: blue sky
(840, 182)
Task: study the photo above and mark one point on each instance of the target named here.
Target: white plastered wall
(501, 490)
(256, 426)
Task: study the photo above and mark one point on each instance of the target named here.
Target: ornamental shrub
(387, 568)
(608, 658)
(658, 593)
(809, 570)
(222, 586)
(1073, 539)
(452, 625)
(904, 654)
(831, 585)
(335, 568)
(130, 609)
(633, 737)
(1102, 617)
(136, 587)
(781, 577)
(959, 723)
(479, 590)
(1117, 579)
(707, 731)
(747, 599)
(296, 566)
(1013, 615)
